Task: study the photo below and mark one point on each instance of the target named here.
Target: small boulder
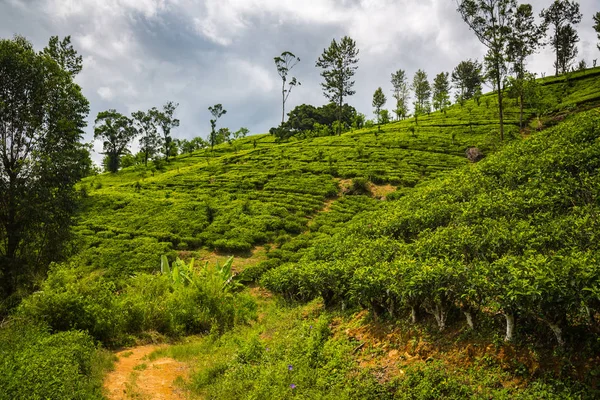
(474, 154)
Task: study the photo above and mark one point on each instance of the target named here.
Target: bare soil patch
(135, 377)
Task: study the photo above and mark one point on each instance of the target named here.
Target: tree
(441, 91)
(491, 20)
(338, 64)
(241, 133)
(566, 48)
(596, 18)
(217, 112)
(467, 79)
(561, 14)
(378, 102)
(145, 124)
(42, 116)
(523, 42)
(401, 93)
(116, 131)
(165, 121)
(384, 116)
(284, 63)
(422, 91)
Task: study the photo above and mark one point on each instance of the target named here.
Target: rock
(474, 154)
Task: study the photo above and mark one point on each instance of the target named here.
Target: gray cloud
(142, 53)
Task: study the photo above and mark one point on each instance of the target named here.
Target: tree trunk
(440, 316)
(510, 327)
(557, 332)
(469, 317)
(339, 127)
(500, 107)
(282, 102)
(413, 314)
(521, 111)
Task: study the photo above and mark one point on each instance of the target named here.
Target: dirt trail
(135, 377)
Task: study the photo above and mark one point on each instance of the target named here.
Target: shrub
(37, 365)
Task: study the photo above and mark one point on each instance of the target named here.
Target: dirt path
(136, 377)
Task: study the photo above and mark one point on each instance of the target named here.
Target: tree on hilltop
(562, 15)
(284, 63)
(422, 90)
(441, 91)
(116, 131)
(401, 91)
(492, 21)
(378, 102)
(339, 65)
(217, 112)
(166, 121)
(467, 78)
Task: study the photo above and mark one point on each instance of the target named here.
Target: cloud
(142, 53)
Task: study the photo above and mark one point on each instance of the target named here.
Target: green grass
(339, 248)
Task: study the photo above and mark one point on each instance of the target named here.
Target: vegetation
(42, 116)
(491, 21)
(338, 64)
(562, 15)
(284, 64)
(453, 255)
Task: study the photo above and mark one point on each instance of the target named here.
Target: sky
(139, 54)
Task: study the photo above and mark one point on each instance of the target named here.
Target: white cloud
(105, 92)
(142, 53)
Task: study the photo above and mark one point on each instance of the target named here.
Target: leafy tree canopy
(42, 116)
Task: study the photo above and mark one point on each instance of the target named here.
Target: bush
(359, 186)
(37, 365)
(71, 299)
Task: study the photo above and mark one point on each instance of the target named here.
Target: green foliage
(441, 91)
(338, 64)
(182, 300)
(467, 78)
(284, 64)
(117, 131)
(378, 102)
(512, 235)
(422, 90)
(42, 113)
(562, 15)
(401, 93)
(37, 365)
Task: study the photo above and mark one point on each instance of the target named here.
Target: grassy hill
(256, 191)
(399, 266)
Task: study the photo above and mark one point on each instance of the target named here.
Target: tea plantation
(379, 263)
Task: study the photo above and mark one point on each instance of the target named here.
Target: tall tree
(441, 91)
(566, 48)
(339, 65)
(166, 121)
(378, 102)
(467, 79)
(42, 116)
(401, 92)
(422, 90)
(491, 20)
(524, 41)
(116, 131)
(145, 124)
(562, 14)
(217, 112)
(596, 18)
(284, 63)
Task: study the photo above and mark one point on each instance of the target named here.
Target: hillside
(256, 191)
(374, 264)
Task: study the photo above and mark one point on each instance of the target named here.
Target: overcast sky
(142, 53)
